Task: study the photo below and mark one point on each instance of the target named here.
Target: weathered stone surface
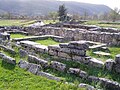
(23, 64)
(9, 60)
(117, 59)
(109, 64)
(109, 85)
(83, 74)
(35, 46)
(78, 45)
(49, 76)
(93, 79)
(23, 53)
(80, 59)
(78, 52)
(75, 71)
(10, 50)
(117, 68)
(96, 63)
(86, 86)
(34, 59)
(54, 47)
(58, 66)
(64, 55)
(34, 68)
(63, 45)
(53, 52)
(65, 50)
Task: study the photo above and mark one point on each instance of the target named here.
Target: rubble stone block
(9, 60)
(109, 85)
(96, 63)
(23, 53)
(64, 55)
(109, 64)
(83, 74)
(23, 64)
(86, 86)
(82, 45)
(63, 45)
(34, 59)
(75, 71)
(117, 59)
(34, 68)
(117, 68)
(58, 66)
(49, 76)
(93, 79)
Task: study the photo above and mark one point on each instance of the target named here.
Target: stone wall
(78, 34)
(75, 51)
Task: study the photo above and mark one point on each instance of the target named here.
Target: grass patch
(17, 36)
(50, 21)
(16, 22)
(47, 42)
(102, 24)
(113, 51)
(19, 79)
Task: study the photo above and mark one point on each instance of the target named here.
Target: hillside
(39, 7)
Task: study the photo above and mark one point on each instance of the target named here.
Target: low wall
(78, 34)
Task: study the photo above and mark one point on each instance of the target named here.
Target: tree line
(63, 15)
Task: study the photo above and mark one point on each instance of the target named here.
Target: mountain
(39, 7)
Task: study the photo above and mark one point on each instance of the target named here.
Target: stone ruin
(80, 37)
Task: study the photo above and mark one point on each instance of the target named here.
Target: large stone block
(96, 63)
(86, 86)
(83, 74)
(34, 68)
(109, 64)
(78, 52)
(23, 64)
(75, 71)
(58, 66)
(49, 76)
(23, 53)
(54, 47)
(82, 45)
(9, 60)
(53, 52)
(117, 68)
(64, 55)
(63, 45)
(109, 85)
(34, 59)
(79, 59)
(93, 79)
(117, 59)
(65, 50)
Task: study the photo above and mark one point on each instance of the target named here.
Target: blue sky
(110, 3)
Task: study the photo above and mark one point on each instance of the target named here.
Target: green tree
(62, 13)
(114, 14)
(53, 16)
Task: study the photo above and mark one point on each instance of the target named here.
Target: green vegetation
(19, 79)
(16, 22)
(50, 21)
(17, 36)
(15, 78)
(103, 24)
(47, 42)
(113, 51)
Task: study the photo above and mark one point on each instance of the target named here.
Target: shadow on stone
(7, 65)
